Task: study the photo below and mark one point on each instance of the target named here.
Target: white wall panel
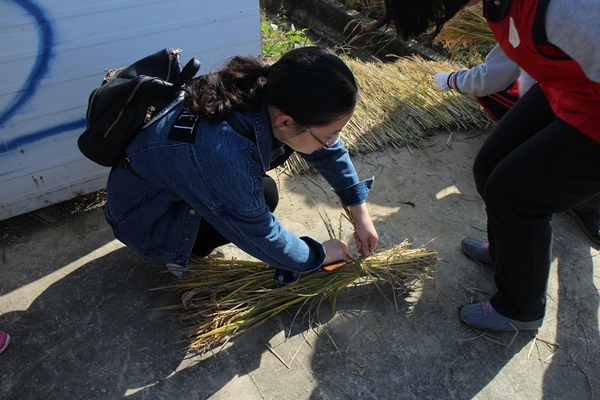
(53, 54)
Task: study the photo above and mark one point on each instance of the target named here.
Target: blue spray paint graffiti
(42, 63)
(39, 71)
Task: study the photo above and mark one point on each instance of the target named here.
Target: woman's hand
(365, 235)
(335, 250)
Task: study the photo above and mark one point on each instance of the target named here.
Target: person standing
(529, 168)
(497, 84)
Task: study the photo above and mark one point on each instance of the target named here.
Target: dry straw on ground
(225, 297)
(222, 297)
(400, 103)
(468, 28)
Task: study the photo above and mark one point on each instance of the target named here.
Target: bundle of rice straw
(224, 297)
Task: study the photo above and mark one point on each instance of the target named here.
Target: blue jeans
(209, 238)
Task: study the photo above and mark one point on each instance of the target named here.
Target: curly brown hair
(311, 84)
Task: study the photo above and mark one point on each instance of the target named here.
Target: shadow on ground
(83, 326)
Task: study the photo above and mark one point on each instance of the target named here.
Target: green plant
(278, 38)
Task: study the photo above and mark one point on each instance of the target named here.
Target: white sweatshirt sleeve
(495, 75)
(573, 26)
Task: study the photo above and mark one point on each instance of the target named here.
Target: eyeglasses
(328, 144)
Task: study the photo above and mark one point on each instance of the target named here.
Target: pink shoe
(4, 341)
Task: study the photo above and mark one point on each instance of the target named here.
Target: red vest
(522, 36)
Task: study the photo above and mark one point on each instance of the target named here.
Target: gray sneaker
(477, 249)
(483, 316)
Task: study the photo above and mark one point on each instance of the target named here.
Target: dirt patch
(19, 227)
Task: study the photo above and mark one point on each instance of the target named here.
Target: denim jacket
(216, 175)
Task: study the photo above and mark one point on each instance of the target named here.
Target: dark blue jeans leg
(209, 238)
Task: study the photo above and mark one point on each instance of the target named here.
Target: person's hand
(441, 80)
(335, 250)
(365, 235)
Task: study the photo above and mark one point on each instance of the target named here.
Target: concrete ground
(78, 306)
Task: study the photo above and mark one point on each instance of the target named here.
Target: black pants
(209, 238)
(497, 105)
(532, 166)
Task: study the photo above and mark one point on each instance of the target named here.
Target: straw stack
(223, 298)
(467, 28)
(400, 103)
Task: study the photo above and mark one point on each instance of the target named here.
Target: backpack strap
(124, 163)
(188, 72)
(235, 124)
(164, 111)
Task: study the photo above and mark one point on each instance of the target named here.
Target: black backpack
(127, 99)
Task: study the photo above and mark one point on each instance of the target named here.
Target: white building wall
(53, 54)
